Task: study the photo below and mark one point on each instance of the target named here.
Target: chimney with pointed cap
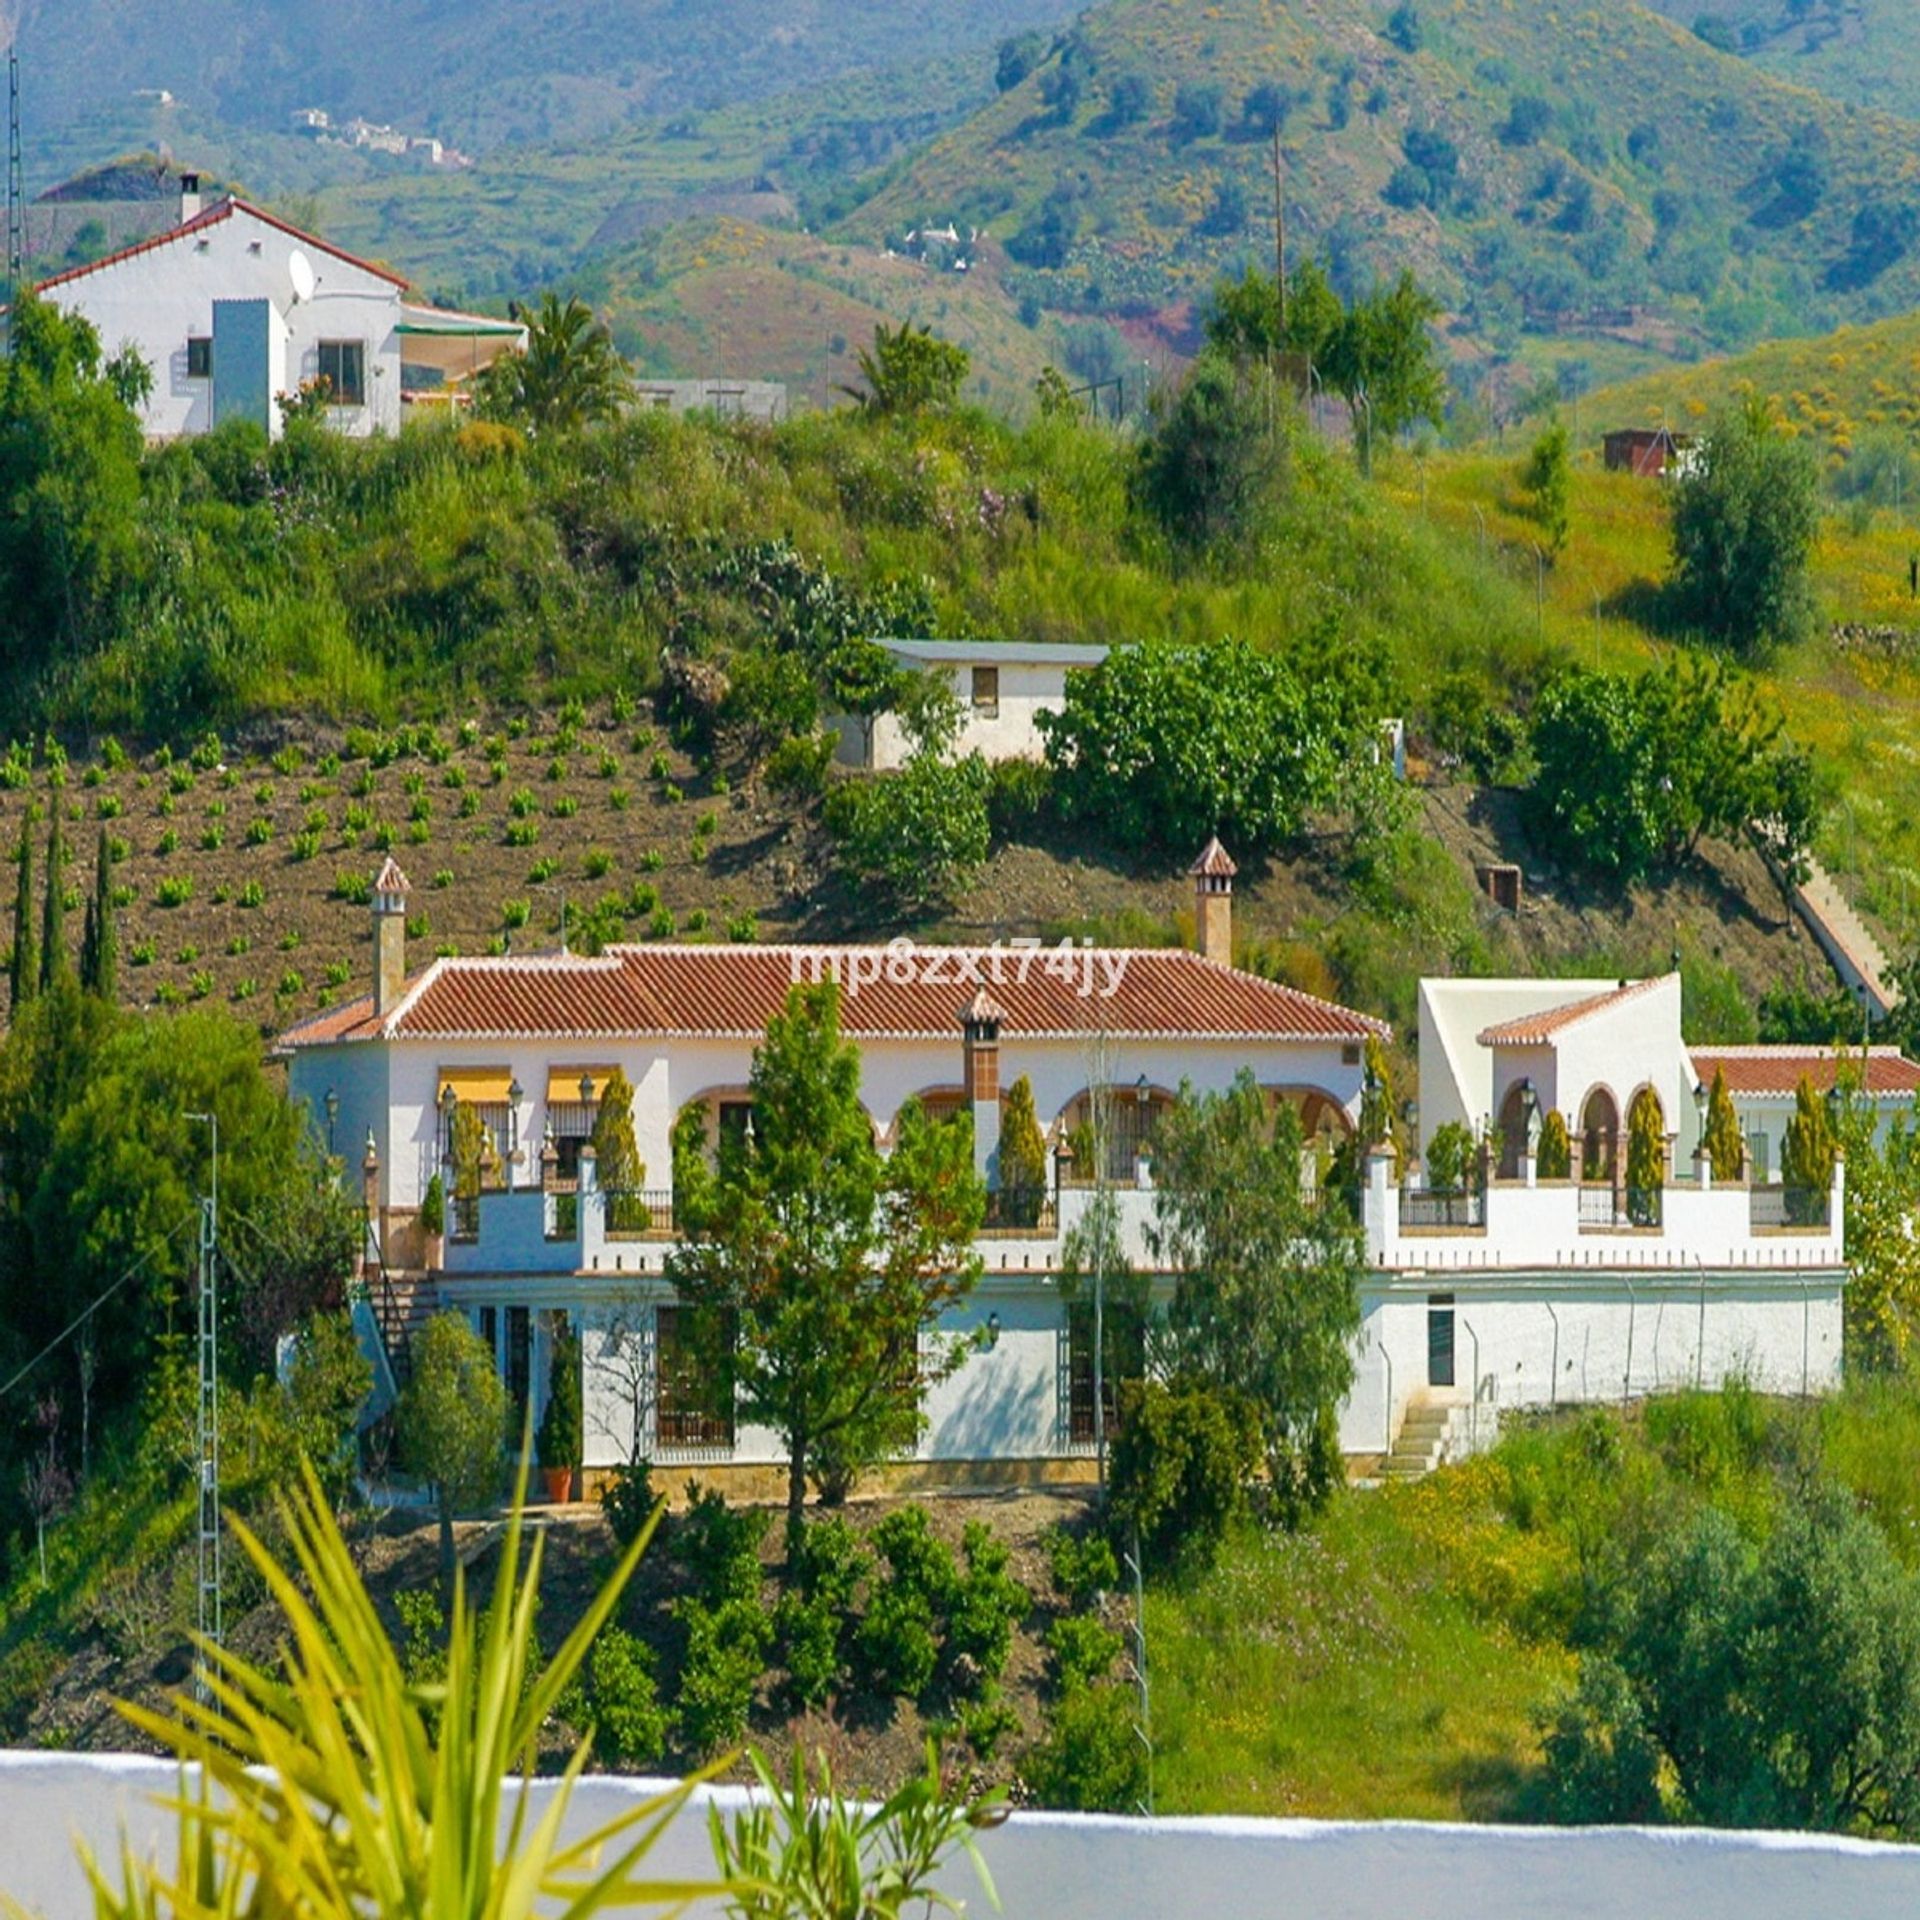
(980, 1022)
(389, 938)
(189, 197)
(1213, 902)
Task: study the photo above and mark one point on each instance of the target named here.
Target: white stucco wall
(1049, 1866)
(156, 298)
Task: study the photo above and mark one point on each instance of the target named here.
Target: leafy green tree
(1053, 396)
(23, 969)
(1017, 57)
(817, 1263)
(1646, 1159)
(1883, 1255)
(1216, 466)
(1382, 362)
(908, 369)
(56, 964)
(1547, 480)
(1743, 521)
(1634, 772)
(453, 1422)
(100, 946)
(1450, 1159)
(570, 375)
(1726, 1148)
(69, 489)
(1554, 1158)
(1266, 1292)
(1404, 28)
(1168, 742)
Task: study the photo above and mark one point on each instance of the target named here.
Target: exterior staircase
(1421, 1443)
(1856, 955)
(402, 1304)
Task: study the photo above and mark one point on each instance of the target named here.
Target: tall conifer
(55, 962)
(24, 977)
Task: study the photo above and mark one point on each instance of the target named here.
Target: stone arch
(1512, 1122)
(1132, 1122)
(1599, 1134)
(1320, 1113)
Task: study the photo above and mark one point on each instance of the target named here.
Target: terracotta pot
(559, 1484)
(436, 1252)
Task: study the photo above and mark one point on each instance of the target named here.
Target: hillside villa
(1506, 1290)
(231, 307)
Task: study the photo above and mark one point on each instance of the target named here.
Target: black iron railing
(1784, 1208)
(1432, 1211)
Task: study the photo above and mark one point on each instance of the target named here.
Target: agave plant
(333, 1787)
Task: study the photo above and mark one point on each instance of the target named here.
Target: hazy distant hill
(1589, 168)
(1865, 51)
(478, 72)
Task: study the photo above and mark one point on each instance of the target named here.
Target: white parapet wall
(1080, 1867)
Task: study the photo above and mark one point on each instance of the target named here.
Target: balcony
(1563, 1226)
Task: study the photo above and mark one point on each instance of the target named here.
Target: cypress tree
(24, 978)
(55, 962)
(100, 955)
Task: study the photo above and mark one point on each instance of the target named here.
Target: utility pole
(208, 1473)
(1279, 233)
(16, 189)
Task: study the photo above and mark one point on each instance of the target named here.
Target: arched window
(1599, 1135)
(1513, 1130)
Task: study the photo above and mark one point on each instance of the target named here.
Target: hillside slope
(1602, 158)
(474, 73)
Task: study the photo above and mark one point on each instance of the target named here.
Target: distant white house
(1763, 1083)
(232, 307)
(1003, 687)
(730, 399)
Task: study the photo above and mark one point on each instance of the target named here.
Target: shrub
(628, 1499)
(354, 887)
(1091, 1759)
(726, 1653)
(918, 835)
(1554, 1160)
(174, 890)
(629, 1724)
(987, 1603)
(797, 767)
(808, 1628)
(1019, 795)
(898, 1651)
(597, 863)
(719, 1545)
(1083, 1566)
(1177, 1471)
(1080, 1651)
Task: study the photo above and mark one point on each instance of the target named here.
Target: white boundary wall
(1078, 1867)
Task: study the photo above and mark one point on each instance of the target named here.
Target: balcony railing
(635, 1212)
(463, 1217)
(1605, 1209)
(1435, 1212)
(1783, 1209)
(1020, 1210)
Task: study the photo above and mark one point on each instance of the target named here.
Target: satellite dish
(300, 272)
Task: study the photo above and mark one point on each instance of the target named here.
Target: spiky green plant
(336, 1787)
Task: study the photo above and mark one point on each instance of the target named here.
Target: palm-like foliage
(338, 1788)
(570, 375)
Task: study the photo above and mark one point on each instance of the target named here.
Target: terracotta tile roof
(1214, 863)
(917, 992)
(1535, 1029)
(1778, 1071)
(212, 217)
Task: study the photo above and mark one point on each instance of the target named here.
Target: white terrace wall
(1084, 1867)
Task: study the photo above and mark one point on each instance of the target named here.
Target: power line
(87, 1313)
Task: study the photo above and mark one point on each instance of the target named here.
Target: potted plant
(559, 1436)
(433, 1222)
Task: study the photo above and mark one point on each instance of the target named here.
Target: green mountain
(1590, 171)
(1861, 51)
(480, 74)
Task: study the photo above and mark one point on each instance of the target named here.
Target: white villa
(1510, 1292)
(1003, 686)
(232, 307)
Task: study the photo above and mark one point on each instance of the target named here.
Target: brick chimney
(1213, 902)
(389, 938)
(980, 1022)
(189, 197)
